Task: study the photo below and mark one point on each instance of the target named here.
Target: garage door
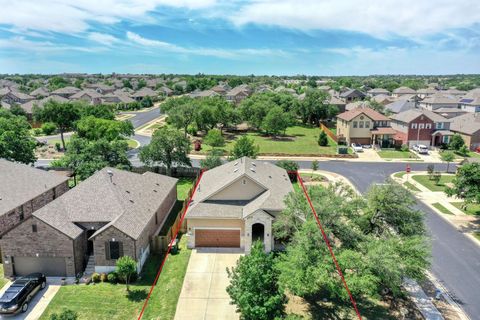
(48, 266)
(217, 238)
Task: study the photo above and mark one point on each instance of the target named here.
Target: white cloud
(22, 44)
(214, 52)
(72, 16)
(375, 17)
(103, 38)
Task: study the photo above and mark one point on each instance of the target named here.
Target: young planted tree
(244, 147)
(253, 286)
(447, 157)
(314, 165)
(456, 142)
(212, 160)
(214, 138)
(126, 267)
(168, 147)
(323, 139)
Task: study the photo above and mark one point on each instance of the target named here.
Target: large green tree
(181, 112)
(63, 115)
(16, 143)
(253, 286)
(315, 107)
(93, 128)
(466, 184)
(244, 147)
(168, 147)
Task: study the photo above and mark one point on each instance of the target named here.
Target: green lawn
(2, 279)
(477, 235)
(400, 174)
(410, 186)
(441, 208)
(473, 209)
(430, 184)
(106, 301)
(132, 144)
(314, 176)
(183, 187)
(299, 140)
(472, 154)
(396, 154)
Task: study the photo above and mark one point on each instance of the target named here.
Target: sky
(261, 37)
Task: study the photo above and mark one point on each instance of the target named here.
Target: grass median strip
(411, 187)
(2, 278)
(441, 208)
(430, 184)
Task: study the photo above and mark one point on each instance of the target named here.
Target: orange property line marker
(169, 247)
(328, 245)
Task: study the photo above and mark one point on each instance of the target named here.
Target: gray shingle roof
(412, 114)
(468, 123)
(272, 178)
(127, 202)
(400, 106)
(20, 183)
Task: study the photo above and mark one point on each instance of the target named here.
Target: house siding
(23, 242)
(242, 189)
(108, 235)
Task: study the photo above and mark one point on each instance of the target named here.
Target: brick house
(237, 94)
(113, 213)
(420, 126)
(24, 189)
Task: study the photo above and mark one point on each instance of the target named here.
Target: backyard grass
(410, 186)
(2, 278)
(441, 208)
(430, 184)
(299, 140)
(105, 301)
(183, 187)
(473, 209)
(396, 154)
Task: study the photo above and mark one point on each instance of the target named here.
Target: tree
(141, 84)
(181, 112)
(214, 138)
(447, 157)
(16, 143)
(48, 128)
(63, 115)
(314, 165)
(126, 267)
(291, 167)
(466, 184)
(322, 139)
(276, 121)
(244, 147)
(127, 84)
(376, 106)
(315, 107)
(66, 314)
(212, 160)
(167, 147)
(93, 128)
(254, 109)
(253, 286)
(102, 111)
(456, 142)
(17, 110)
(436, 177)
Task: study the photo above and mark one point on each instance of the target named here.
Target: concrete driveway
(203, 294)
(38, 304)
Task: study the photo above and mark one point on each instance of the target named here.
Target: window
(421, 125)
(360, 124)
(428, 126)
(439, 125)
(414, 126)
(114, 250)
(367, 124)
(21, 216)
(34, 228)
(355, 124)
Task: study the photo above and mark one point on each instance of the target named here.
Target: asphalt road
(141, 118)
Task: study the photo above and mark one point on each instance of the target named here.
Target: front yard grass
(425, 181)
(477, 235)
(472, 209)
(441, 208)
(2, 277)
(396, 154)
(410, 186)
(105, 301)
(400, 175)
(298, 140)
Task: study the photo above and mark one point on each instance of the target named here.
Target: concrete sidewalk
(423, 303)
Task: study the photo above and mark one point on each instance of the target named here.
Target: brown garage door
(360, 140)
(54, 267)
(217, 238)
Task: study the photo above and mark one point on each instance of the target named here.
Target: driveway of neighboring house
(369, 155)
(203, 294)
(38, 304)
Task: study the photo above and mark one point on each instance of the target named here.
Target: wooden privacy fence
(160, 242)
(328, 132)
(177, 172)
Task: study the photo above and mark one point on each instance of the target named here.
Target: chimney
(110, 173)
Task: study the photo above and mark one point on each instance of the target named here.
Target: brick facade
(418, 133)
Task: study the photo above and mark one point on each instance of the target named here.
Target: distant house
(90, 96)
(357, 104)
(24, 189)
(454, 92)
(28, 106)
(403, 91)
(66, 92)
(100, 88)
(221, 89)
(40, 92)
(468, 126)
(143, 93)
(334, 101)
(426, 92)
(352, 95)
(378, 91)
(113, 213)
(203, 94)
(117, 98)
(364, 126)
(383, 99)
(470, 103)
(449, 112)
(236, 204)
(17, 97)
(437, 101)
(400, 106)
(421, 126)
(237, 94)
(166, 91)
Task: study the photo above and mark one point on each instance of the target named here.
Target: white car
(357, 147)
(422, 149)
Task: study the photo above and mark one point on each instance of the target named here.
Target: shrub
(96, 277)
(342, 150)
(37, 131)
(58, 146)
(323, 139)
(112, 277)
(463, 151)
(66, 314)
(104, 277)
(436, 177)
(48, 128)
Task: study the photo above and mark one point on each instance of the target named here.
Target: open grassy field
(298, 140)
(105, 301)
(472, 209)
(430, 184)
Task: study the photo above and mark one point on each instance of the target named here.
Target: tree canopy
(16, 143)
(466, 184)
(244, 147)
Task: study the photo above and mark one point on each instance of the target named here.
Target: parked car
(415, 147)
(422, 149)
(21, 292)
(357, 147)
(366, 146)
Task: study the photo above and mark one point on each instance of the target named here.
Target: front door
(90, 242)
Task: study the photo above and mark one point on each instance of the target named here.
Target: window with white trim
(421, 125)
(414, 126)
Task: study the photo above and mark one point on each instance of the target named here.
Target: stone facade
(266, 220)
(23, 242)
(10, 219)
(104, 263)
